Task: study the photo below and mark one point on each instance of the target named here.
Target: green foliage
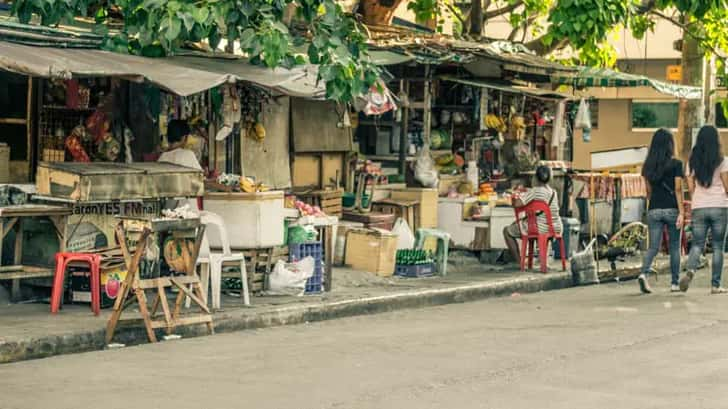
(156, 28)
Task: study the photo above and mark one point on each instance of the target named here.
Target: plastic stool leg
(244, 278)
(563, 253)
(543, 254)
(58, 280)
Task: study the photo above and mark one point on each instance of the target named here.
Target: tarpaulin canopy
(506, 87)
(605, 77)
(183, 76)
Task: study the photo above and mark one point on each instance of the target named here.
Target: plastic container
(572, 228)
(415, 271)
(298, 252)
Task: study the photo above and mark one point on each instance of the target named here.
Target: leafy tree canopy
(585, 25)
(154, 28)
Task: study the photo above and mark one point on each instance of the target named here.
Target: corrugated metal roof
(438, 49)
(510, 88)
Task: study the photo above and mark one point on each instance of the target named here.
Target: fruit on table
(308, 210)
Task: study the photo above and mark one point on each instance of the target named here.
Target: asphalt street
(592, 347)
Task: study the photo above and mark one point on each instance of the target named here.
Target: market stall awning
(183, 76)
(300, 81)
(510, 88)
(605, 77)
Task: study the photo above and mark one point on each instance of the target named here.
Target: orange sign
(674, 73)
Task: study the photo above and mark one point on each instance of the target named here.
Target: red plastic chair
(531, 212)
(62, 260)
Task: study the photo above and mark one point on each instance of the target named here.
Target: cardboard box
(428, 204)
(371, 250)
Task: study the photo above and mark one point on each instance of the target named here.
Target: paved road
(592, 347)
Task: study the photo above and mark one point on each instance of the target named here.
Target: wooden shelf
(13, 121)
(62, 108)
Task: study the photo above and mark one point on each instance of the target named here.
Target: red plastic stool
(62, 260)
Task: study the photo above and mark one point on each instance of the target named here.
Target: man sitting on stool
(543, 192)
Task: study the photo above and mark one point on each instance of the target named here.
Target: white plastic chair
(211, 262)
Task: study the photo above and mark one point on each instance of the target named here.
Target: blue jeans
(657, 219)
(715, 219)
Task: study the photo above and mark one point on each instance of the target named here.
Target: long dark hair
(662, 150)
(707, 155)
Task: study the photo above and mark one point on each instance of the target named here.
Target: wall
(615, 132)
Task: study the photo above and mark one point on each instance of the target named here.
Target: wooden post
(403, 136)
(427, 108)
(18, 258)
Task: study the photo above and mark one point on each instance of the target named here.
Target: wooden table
(189, 286)
(11, 217)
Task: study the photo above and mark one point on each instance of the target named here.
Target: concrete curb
(245, 319)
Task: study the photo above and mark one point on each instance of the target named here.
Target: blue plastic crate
(415, 271)
(300, 251)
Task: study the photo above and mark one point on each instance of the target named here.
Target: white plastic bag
(425, 171)
(290, 278)
(583, 116)
(405, 238)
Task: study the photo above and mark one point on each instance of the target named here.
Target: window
(653, 115)
(720, 119)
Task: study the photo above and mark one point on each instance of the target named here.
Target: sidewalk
(28, 331)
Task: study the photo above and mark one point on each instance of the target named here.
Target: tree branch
(537, 45)
(455, 12)
(687, 29)
(501, 11)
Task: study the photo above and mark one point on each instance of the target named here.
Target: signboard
(618, 158)
(674, 73)
(91, 226)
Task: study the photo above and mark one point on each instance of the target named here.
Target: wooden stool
(406, 209)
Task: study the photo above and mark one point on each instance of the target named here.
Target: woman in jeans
(707, 177)
(663, 175)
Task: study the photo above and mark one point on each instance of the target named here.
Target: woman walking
(663, 175)
(707, 177)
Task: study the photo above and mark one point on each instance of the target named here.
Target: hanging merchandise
(425, 171)
(583, 120)
(377, 101)
(75, 147)
(483, 108)
(109, 148)
(230, 110)
(128, 137)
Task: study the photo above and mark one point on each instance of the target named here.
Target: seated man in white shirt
(177, 133)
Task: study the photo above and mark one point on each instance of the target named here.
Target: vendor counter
(483, 233)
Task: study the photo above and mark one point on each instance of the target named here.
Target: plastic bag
(405, 238)
(584, 267)
(290, 278)
(425, 171)
(302, 234)
(583, 116)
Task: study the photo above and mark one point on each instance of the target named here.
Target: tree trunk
(709, 83)
(476, 18)
(690, 114)
(378, 12)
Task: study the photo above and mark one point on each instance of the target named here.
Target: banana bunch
(248, 185)
(256, 131)
(495, 122)
(518, 123)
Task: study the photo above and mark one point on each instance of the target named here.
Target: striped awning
(605, 77)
